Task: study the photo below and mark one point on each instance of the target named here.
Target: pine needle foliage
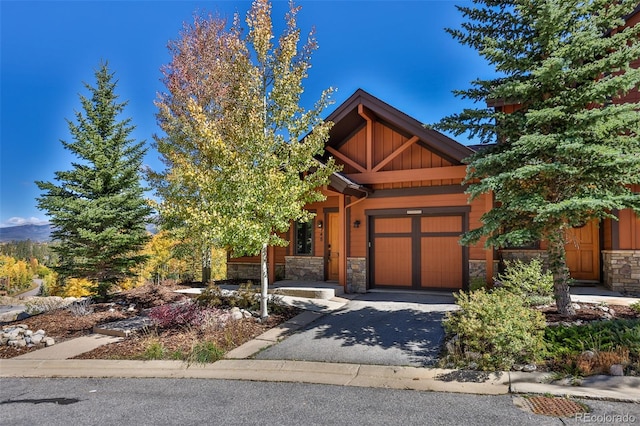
(569, 152)
(97, 208)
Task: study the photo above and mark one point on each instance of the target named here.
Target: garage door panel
(393, 225)
(393, 261)
(440, 263)
(419, 252)
(441, 224)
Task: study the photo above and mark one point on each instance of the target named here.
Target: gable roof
(347, 121)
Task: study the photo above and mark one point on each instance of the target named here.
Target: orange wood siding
(397, 161)
(607, 234)
(280, 253)
(477, 251)
(629, 228)
(356, 149)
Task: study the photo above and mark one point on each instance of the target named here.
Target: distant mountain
(39, 233)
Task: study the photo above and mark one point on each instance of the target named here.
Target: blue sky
(396, 50)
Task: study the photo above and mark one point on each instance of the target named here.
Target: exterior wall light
(320, 224)
(356, 224)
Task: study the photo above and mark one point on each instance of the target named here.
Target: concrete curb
(54, 362)
(614, 388)
(412, 378)
(623, 389)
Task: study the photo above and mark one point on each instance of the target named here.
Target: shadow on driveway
(376, 328)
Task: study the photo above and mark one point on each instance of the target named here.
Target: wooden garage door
(417, 252)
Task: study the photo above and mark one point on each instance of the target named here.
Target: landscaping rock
(529, 368)
(21, 336)
(616, 370)
(587, 355)
(236, 314)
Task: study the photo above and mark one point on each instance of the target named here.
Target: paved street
(57, 402)
(379, 328)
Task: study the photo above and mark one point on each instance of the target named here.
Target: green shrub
(528, 281)
(595, 336)
(477, 283)
(246, 297)
(204, 352)
(154, 350)
(592, 348)
(635, 306)
(494, 331)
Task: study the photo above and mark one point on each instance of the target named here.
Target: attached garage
(418, 248)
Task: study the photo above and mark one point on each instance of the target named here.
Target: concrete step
(307, 292)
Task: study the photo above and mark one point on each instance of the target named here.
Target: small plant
(635, 306)
(246, 297)
(177, 314)
(477, 283)
(593, 348)
(494, 331)
(154, 350)
(528, 281)
(205, 352)
(81, 307)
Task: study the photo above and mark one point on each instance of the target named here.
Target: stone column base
(357, 275)
(621, 270)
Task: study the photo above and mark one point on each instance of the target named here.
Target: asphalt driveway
(374, 328)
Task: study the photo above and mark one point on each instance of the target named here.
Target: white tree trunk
(264, 281)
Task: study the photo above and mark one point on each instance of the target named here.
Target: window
(304, 238)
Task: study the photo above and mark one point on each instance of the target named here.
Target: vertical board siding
(629, 228)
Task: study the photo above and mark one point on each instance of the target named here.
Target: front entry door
(583, 252)
(333, 229)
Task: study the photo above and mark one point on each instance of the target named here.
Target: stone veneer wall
(357, 274)
(250, 271)
(621, 270)
(523, 255)
(304, 268)
(478, 269)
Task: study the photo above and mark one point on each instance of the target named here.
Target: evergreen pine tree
(98, 208)
(569, 152)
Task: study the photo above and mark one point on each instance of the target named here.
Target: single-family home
(393, 216)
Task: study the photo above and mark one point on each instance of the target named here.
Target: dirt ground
(62, 325)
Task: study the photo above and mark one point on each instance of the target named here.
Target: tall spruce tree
(98, 208)
(571, 150)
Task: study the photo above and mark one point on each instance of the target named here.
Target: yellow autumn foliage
(78, 287)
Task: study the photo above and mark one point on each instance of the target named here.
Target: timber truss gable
(383, 148)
